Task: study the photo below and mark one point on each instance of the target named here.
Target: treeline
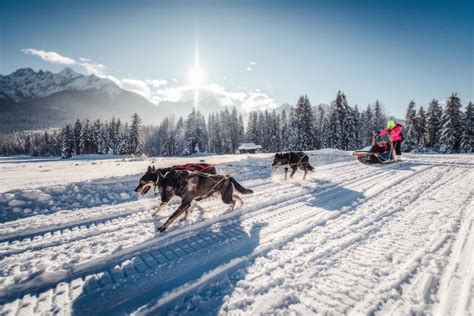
(446, 129)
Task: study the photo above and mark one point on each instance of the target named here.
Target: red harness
(194, 167)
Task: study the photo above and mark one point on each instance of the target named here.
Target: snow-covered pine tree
(103, 144)
(241, 129)
(420, 130)
(251, 134)
(358, 127)
(196, 132)
(180, 137)
(224, 121)
(234, 130)
(95, 136)
(467, 137)
(302, 131)
(77, 137)
(134, 139)
(378, 119)
(336, 125)
(410, 142)
(451, 125)
(284, 131)
(85, 139)
(369, 130)
(275, 132)
(68, 142)
(320, 115)
(124, 145)
(433, 123)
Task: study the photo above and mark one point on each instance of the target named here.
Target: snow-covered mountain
(25, 84)
(41, 99)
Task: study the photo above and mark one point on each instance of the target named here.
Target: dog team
(195, 182)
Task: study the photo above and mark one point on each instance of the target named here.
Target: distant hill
(35, 100)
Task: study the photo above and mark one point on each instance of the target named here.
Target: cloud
(159, 90)
(257, 100)
(51, 57)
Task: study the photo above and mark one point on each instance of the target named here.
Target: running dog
(192, 186)
(152, 175)
(292, 160)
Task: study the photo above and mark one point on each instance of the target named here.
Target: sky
(259, 54)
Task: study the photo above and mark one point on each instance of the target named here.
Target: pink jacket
(395, 134)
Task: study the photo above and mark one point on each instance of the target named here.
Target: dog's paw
(161, 229)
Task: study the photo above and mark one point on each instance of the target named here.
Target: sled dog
(192, 186)
(293, 160)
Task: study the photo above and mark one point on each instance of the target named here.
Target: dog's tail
(310, 168)
(239, 187)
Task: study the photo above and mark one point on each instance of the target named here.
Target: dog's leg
(237, 199)
(182, 208)
(305, 173)
(286, 173)
(189, 210)
(293, 172)
(162, 206)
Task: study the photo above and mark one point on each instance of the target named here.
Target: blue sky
(259, 53)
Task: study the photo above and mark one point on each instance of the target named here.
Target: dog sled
(373, 155)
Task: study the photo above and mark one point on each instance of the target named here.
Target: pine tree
(337, 125)
(467, 137)
(420, 130)
(358, 127)
(378, 118)
(302, 131)
(320, 115)
(411, 140)
(433, 123)
(134, 139)
(451, 125)
(196, 132)
(180, 137)
(103, 144)
(85, 139)
(234, 130)
(284, 131)
(241, 129)
(68, 142)
(369, 130)
(77, 136)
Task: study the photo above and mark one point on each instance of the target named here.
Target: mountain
(36, 100)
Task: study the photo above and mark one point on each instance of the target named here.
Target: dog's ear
(153, 169)
(149, 169)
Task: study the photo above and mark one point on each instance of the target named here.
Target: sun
(197, 76)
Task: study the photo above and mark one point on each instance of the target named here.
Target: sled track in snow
(140, 266)
(132, 216)
(336, 269)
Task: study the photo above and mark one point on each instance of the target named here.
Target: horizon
(252, 54)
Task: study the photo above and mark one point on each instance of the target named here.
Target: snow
(26, 83)
(351, 239)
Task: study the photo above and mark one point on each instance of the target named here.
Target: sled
(370, 158)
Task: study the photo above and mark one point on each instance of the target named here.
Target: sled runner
(369, 158)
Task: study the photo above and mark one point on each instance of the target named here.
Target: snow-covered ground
(351, 239)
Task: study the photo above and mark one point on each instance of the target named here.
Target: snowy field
(351, 239)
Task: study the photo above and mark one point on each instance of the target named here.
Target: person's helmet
(391, 124)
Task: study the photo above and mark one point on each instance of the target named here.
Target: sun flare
(196, 76)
